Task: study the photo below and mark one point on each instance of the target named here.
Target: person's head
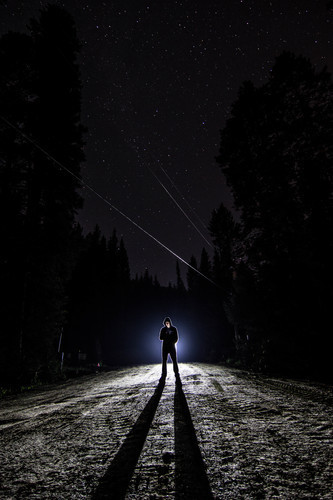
(167, 322)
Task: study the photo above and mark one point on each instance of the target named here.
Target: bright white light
(185, 346)
(152, 346)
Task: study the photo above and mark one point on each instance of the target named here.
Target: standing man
(169, 337)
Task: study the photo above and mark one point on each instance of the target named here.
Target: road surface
(222, 433)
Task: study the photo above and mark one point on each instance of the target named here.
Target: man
(169, 337)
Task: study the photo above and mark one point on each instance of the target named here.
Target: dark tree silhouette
(276, 154)
(179, 284)
(99, 292)
(192, 276)
(224, 231)
(40, 96)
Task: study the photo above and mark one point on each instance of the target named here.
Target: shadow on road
(114, 483)
(190, 474)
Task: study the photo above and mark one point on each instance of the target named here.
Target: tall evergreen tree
(179, 281)
(276, 155)
(224, 231)
(192, 276)
(40, 96)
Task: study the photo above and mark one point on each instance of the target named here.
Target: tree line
(66, 292)
(40, 94)
(274, 261)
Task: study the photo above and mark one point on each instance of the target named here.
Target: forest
(69, 302)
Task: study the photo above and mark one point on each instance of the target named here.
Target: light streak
(116, 209)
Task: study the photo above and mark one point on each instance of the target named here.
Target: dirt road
(221, 433)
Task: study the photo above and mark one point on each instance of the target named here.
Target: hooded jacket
(169, 335)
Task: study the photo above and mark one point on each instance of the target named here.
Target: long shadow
(190, 475)
(114, 483)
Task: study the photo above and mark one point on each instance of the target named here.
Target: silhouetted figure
(169, 337)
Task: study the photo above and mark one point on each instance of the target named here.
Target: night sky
(158, 81)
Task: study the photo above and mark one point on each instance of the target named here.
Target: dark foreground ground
(222, 433)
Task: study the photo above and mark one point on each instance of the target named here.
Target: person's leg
(173, 355)
(164, 361)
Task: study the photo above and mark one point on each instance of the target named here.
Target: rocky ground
(220, 433)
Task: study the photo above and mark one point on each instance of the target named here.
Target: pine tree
(192, 276)
(276, 155)
(179, 283)
(40, 96)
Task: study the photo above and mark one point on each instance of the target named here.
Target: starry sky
(158, 81)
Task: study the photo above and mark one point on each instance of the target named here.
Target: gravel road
(220, 433)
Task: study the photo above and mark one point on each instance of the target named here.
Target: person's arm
(162, 334)
(175, 335)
